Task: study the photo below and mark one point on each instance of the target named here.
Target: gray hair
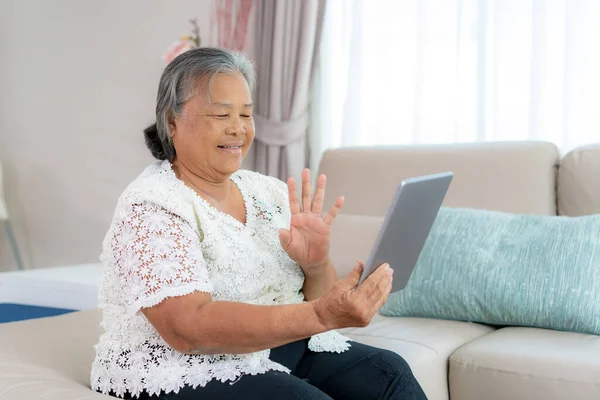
(180, 80)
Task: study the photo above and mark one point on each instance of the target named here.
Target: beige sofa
(50, 358)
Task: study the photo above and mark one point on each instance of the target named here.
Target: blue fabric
(10, 312)
(506, 269)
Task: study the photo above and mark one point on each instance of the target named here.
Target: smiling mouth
(231, 147)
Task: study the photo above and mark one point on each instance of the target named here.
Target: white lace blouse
(167, 241)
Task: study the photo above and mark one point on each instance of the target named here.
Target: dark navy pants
(361, 373)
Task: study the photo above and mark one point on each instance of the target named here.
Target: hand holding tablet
(353, 300)
(406, 226)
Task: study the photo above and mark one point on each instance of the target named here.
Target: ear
(172, 127)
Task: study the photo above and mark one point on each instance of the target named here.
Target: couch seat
(49, 358)
(519, 363)
(426, 344)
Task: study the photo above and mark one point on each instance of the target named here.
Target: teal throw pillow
(505, 269)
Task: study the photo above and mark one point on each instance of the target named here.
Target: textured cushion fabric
(527, 364)
(49, 358)
(513, 177)
(425, 344)
(578, 182)
(507, 269)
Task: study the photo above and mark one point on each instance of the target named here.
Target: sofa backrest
(525, 177)
(579, 182)
(512, 177)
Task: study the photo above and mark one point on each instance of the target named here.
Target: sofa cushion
(425, 344)
(486, 175)
(507, 269)
(578, 183)
(527, 364)
(49, 358)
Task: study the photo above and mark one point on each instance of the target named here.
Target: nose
(236, 127)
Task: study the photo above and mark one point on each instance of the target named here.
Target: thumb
(285, 237)
(354, 276)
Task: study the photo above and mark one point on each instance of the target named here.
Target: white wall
(78, 83)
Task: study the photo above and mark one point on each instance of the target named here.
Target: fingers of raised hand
(310, 203)
(317, 204)
(306, 191)
(334, 210)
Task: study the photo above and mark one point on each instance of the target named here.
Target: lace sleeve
(157, 255)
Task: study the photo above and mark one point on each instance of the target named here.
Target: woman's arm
(196, 324)
(318, 283)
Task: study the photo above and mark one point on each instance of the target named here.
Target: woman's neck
(211, 187)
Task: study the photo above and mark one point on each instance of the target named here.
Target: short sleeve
(157, 255)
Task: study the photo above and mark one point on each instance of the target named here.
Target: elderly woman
(218, 282)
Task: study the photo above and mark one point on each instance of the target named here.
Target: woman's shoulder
(158, 185)
(159, 172)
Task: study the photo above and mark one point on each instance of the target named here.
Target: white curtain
(443, 71)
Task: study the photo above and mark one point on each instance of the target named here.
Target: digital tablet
(406, 226)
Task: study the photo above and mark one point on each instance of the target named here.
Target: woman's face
(213, 133)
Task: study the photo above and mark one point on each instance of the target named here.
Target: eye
(246, 116)
(222, 115)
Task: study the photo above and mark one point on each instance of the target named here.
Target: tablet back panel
(407, 224)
